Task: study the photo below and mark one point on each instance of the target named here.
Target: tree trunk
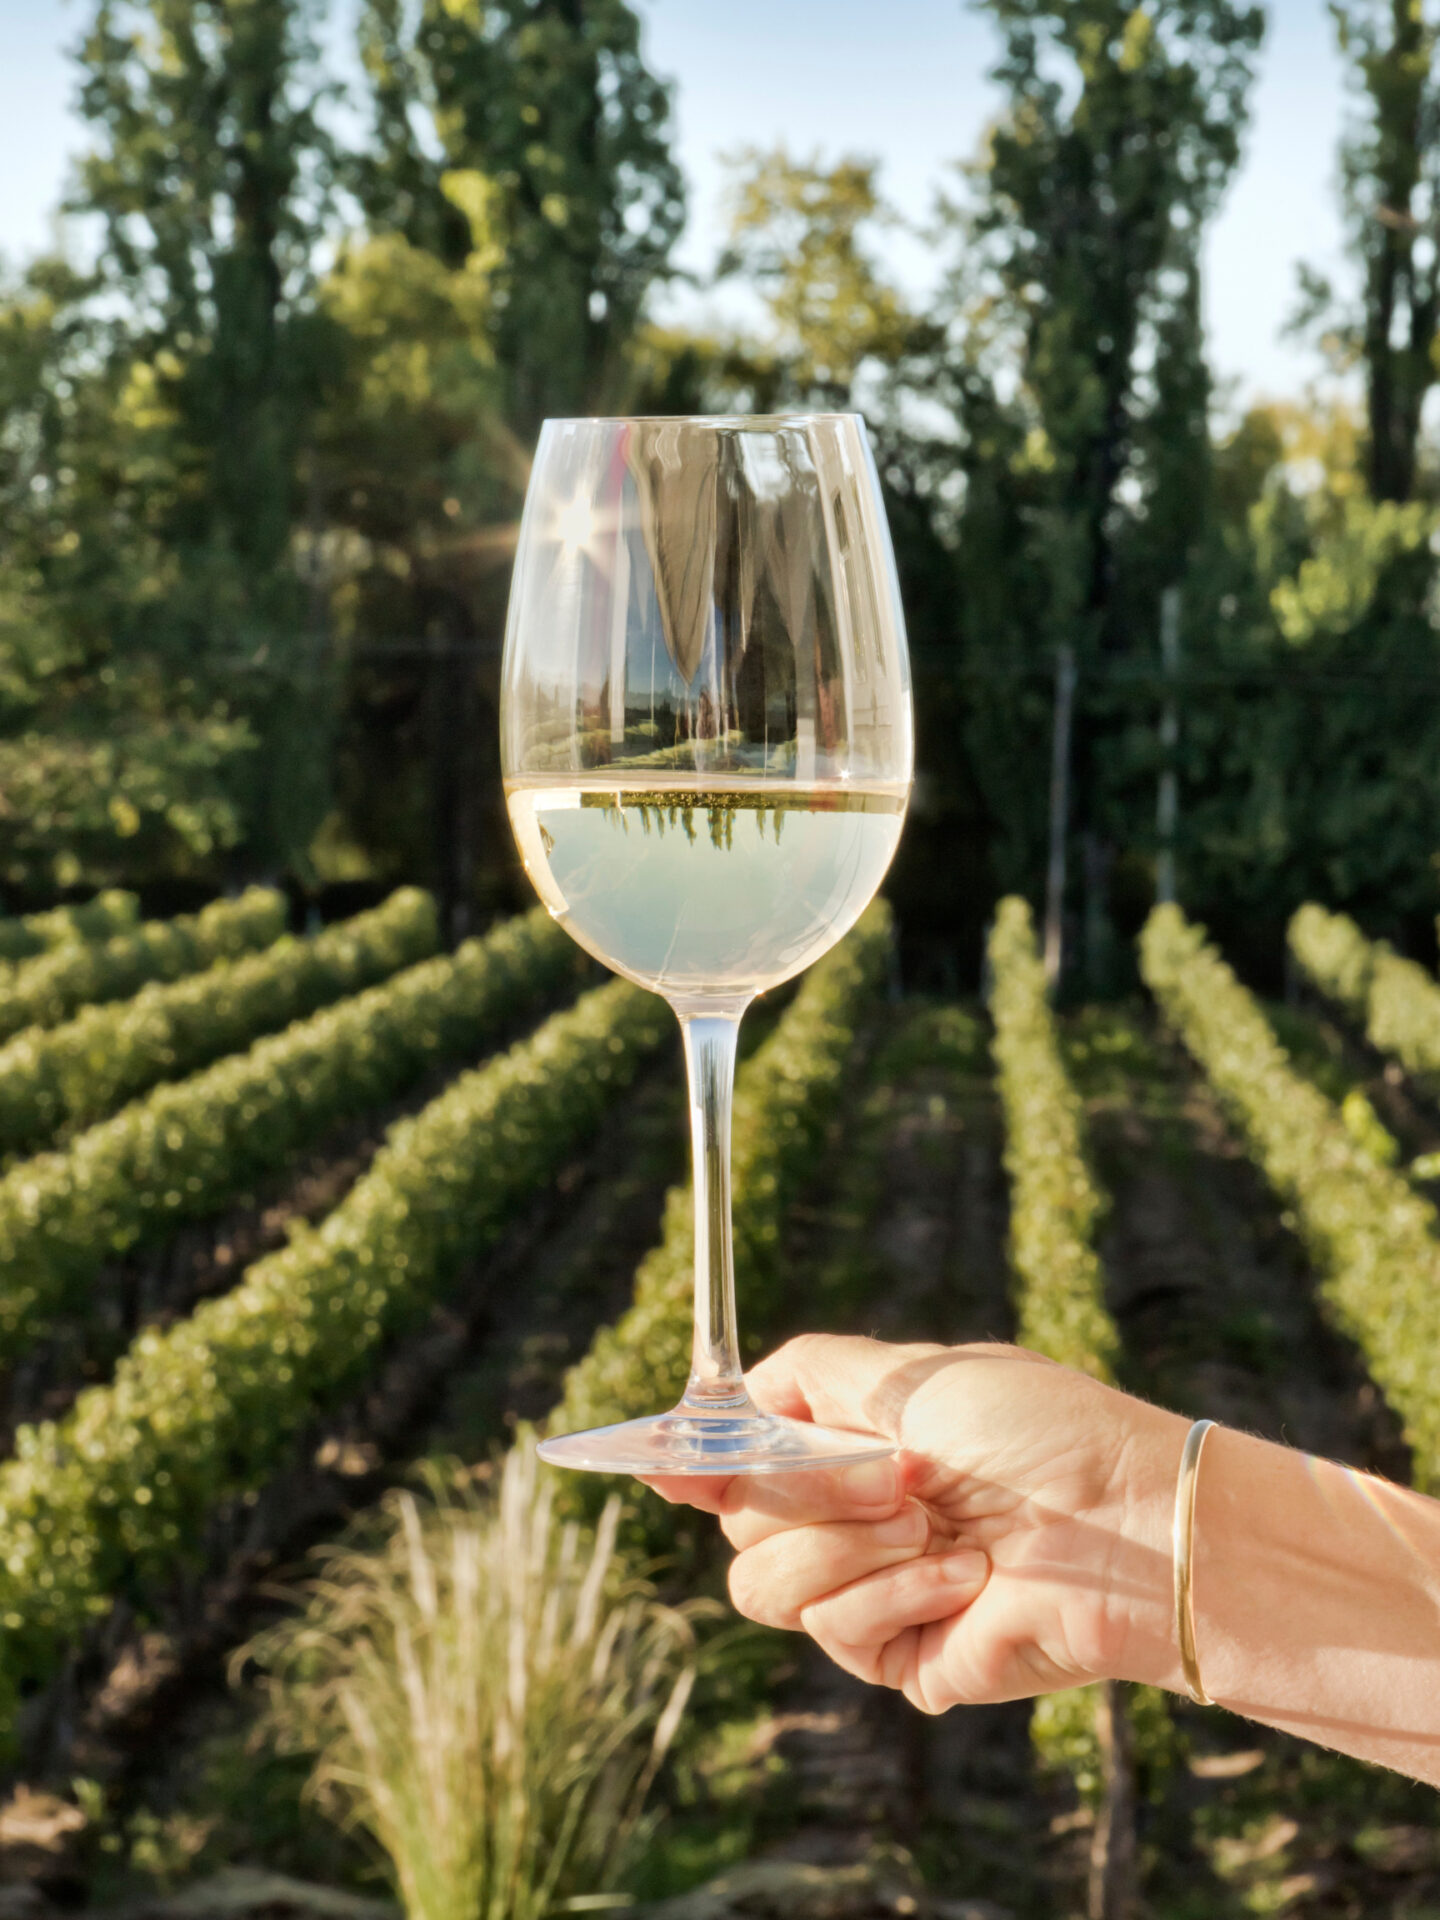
(1114, 1888)
(1059, 816)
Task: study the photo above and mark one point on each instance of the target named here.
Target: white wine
(704, 892)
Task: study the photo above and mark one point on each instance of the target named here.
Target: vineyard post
(1167, 803)
(1059, 815)
(1114, 1871)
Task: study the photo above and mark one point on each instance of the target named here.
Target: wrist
(1141, 1642)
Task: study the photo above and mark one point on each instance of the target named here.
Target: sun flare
(575, 525)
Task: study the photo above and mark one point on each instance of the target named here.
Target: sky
(904, 83)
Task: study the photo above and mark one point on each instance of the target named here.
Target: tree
(1079, 378)
(1315, 763)
(538, 122)
(115, 761)
(1121, 127)
(1390, 170)
(411, 453)
(209, 179)
(798, 233)
(552, 103)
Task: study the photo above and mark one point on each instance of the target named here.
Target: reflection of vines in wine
(661, 811)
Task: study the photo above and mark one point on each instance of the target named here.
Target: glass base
(689, 1442)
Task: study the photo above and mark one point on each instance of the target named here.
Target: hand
(1017, 1543)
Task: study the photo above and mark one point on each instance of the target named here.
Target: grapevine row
(67, 1077)
(1372, 1236)
(784, 1097)
(1060, 1309)
(105, 1502)
(48, 989)
(189, 1147)
(1395, 1002)
(102, 918)
(1054, 1203)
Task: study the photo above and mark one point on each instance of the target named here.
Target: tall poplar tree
(1390, 173)
(552, 103)
(208, 176)
(1080, 379)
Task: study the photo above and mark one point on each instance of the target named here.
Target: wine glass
(707, 747)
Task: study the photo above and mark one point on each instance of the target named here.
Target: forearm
(1317, 1599)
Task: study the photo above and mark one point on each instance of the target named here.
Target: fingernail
(965, 1567)
(871, 1483)
(908, 1528)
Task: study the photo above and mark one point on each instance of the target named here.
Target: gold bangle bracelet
(1183, 1550)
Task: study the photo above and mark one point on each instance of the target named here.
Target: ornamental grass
(487, 1699)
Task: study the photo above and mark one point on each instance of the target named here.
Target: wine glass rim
(706, 419)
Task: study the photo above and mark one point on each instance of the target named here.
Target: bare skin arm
(1020, 1542)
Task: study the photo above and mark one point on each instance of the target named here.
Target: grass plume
(486, 1697)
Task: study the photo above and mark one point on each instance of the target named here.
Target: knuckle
(749, 1594)
(733, 1499)
(917, 1696)
(802, 1348)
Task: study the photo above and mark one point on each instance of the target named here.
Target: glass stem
(717, 1383)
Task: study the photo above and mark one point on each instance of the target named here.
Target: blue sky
(904, 82)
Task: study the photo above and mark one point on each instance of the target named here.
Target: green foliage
(1337, 584)
(1367, 1130)
(798, 233)
(1055, 1205)
(1063, 1733)
(109, 763)
(113, 758)
(1396, 1002)
(106, 1503)
(108, 780)
(1317, 773)
(1372, 1237)
(69, 1076)
(783, 1099)
(1390, 169)
(44, 991)
(488, 1697)
(161, 431)
(1078, 383)
(1318, 1051)
(188, 1148)
(108, 914)
(1335, 954)
(550, 105)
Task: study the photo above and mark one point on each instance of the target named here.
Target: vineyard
(285, 1220)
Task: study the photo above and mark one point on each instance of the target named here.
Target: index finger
(844, 1380)
(704, 1491)
(752, 1506)
(836, 1380)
